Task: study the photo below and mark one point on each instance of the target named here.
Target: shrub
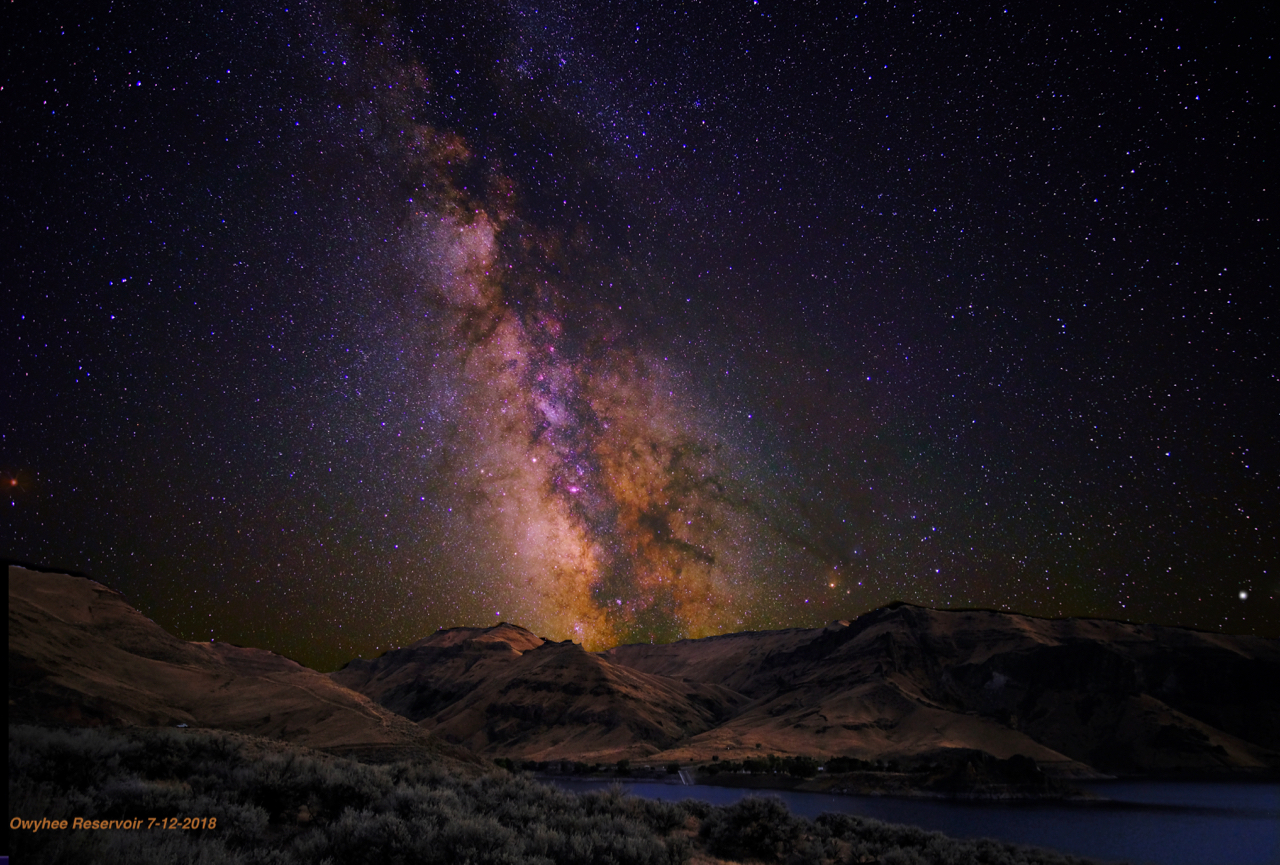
(892, 844)
(279, 806)
(754, 827)
(846, 764)
(696, 808)
(802, 767)
(286, 807)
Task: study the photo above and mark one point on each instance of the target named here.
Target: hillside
(1079, 696)
(80, 655)
(504, 691)
(904, 680)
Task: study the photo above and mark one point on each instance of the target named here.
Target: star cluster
(338, 323)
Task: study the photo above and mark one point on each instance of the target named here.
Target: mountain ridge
(905, 679)
(1080, 696)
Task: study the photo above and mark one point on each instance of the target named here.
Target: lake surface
(1156, 822)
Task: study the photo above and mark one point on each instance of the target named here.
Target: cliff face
(80, 655)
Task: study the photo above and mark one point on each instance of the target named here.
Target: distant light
(1244, 595)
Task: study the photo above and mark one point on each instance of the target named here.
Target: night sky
(331, 324)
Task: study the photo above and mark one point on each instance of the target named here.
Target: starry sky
(333, 323)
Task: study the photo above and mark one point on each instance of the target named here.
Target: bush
(279, 806)
(696, 808)
(285, 807)
(802, 767)
(891, 844)
(847, 764)
(755, 827)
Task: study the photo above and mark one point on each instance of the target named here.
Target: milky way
(591, 493)
(340, 323)
(592, 481)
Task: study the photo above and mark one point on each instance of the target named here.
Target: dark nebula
(335, 323)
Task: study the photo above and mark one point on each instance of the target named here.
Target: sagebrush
(277, 806)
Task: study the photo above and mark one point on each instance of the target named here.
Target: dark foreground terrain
(261, 801)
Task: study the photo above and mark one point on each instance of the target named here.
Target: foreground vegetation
(260, 802)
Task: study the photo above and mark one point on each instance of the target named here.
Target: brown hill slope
(907, 680)
(901, 681)
(419, 680)
(79, 654)
(504, 691)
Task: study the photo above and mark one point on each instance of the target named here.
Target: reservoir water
(1160, 823)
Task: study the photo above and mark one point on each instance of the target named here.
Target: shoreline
(835, 785)
(902, 786)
